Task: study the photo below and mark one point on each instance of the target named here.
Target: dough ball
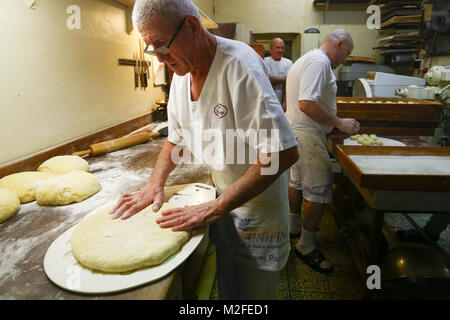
(373, 136)
(9, 204)
(341, 101)
(389, 102)
(411, 102)
(352, 101)
(379, 143)
(24, 184)
(378, 101)
(362, 101)
(64, 164)
(355, 137)
(403, 102)
(116, 245)
(365, 135)
(67, 188)
(364, 140)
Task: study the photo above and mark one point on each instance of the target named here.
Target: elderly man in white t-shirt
(222, 112)
(278, 69)
(311, 111)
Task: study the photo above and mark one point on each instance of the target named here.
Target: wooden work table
(25, 238)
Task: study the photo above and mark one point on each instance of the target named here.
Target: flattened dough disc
(116, 245)
(66, 272)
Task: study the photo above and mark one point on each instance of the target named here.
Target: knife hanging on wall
(143, 67)
(147, 75)
(141, 74)
(136, 76)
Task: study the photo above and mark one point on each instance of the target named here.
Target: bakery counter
(364, 194)
(25, 238)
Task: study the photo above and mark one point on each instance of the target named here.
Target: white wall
(58, 84)
(263, 16)
(207, 6)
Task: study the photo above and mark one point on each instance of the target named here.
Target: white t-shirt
(310, 78)
(280, 69)
(237, 97)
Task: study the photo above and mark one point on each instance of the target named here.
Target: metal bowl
(416, 266)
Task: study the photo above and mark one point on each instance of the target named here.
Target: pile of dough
(116, 245)
(67, 188)
(9, 204)
(23, 184)
(367, 140)
(64, 164)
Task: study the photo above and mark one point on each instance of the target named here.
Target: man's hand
(131, 203)
(318, 113)
(189, 217)
(347, 125)
(153, 192)
(277, 80)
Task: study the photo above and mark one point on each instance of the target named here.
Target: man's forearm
(316, 112)
(164, 164)
(253, 183)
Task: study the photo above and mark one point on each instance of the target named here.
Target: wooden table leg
(373, 257)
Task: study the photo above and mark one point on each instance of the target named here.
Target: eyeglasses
(164, 50)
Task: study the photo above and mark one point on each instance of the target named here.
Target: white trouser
(239, 282)
(312, 172)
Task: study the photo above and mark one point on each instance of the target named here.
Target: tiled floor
(299, 282)
(397, 221)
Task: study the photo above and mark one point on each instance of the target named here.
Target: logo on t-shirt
(220, 110)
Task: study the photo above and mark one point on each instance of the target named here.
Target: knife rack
(141, 72)
(132, 62)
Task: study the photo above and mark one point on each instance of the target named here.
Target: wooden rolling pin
(117, 144)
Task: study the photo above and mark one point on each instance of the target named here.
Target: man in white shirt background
(278, 69)
(311, 111)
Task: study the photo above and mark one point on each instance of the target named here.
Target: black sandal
(313, 260)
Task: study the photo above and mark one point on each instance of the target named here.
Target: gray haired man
(221, 85)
